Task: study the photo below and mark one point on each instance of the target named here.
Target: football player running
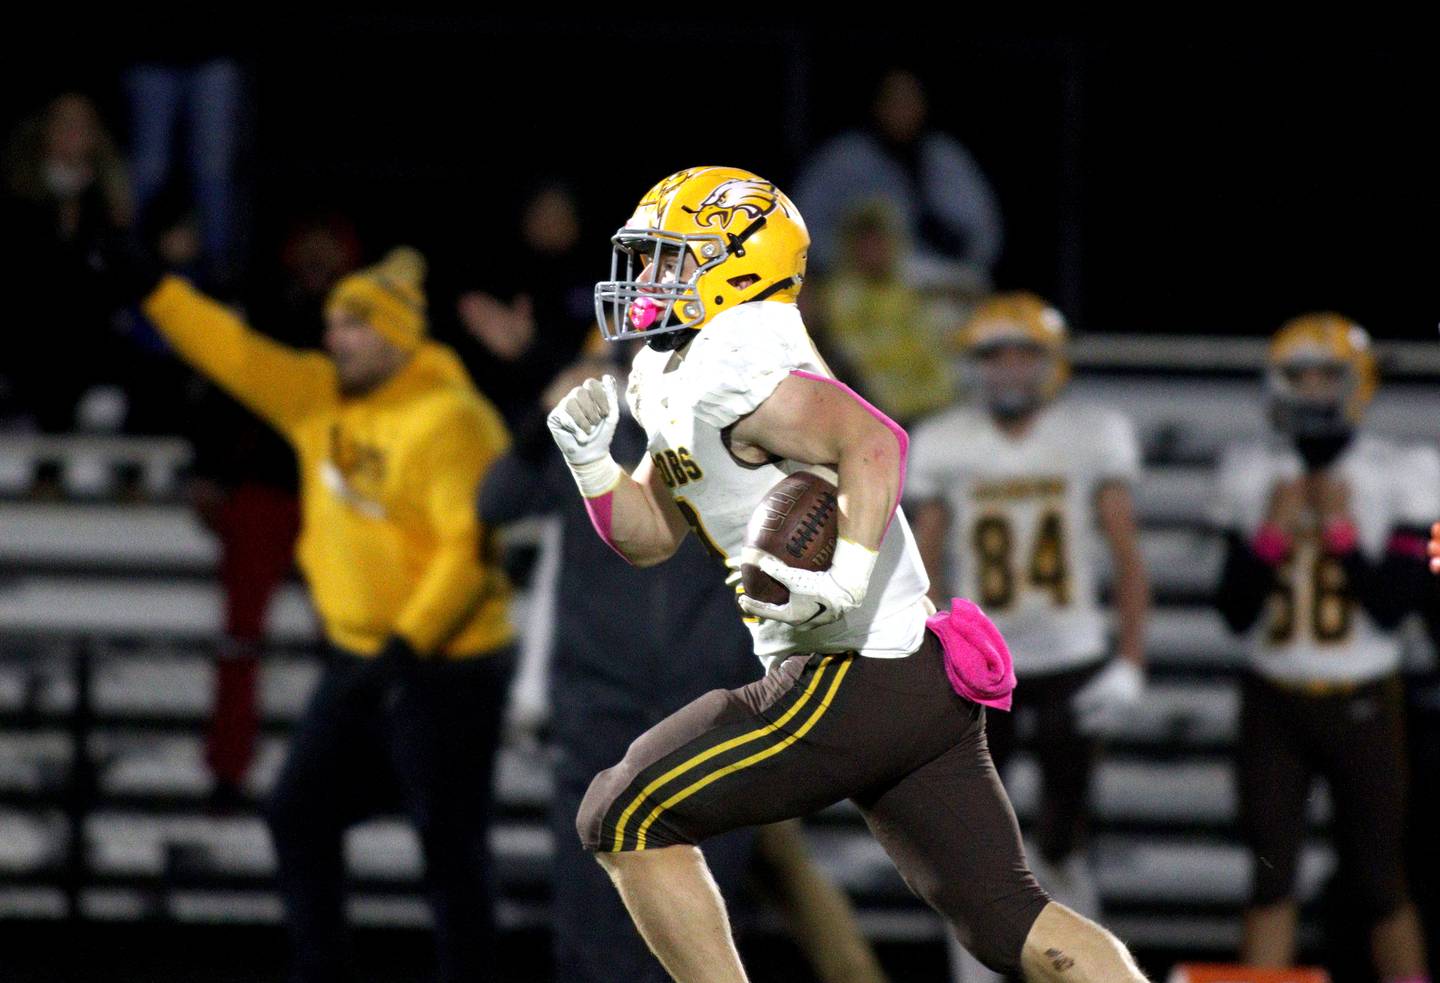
(1326, 535)
(860, 700)
(1017, 496)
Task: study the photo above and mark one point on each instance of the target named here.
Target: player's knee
(593, 822)
(994, 931)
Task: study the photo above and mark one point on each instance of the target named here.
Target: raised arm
(279, 383)
(633, 513)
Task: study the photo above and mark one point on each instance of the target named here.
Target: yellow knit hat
(390, 296)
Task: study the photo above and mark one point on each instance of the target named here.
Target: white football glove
(1103, 703)
(583, 424)
(817, 597)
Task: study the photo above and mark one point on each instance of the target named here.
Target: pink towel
(976, 657)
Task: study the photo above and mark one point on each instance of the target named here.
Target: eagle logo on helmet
(751, 196)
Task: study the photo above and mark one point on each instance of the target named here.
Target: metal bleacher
(108, 609)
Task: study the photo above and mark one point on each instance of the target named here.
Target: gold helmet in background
(746, 239)
(1320, 376)
(1016, 320)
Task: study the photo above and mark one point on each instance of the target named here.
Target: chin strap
(736, 244)
(1320, 451)
(672, 340)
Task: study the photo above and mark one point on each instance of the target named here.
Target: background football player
(1326, 530)
(858, 701)
(1016, 497)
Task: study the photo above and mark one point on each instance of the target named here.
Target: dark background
(1174, 183)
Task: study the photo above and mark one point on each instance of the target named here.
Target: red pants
(258, 525)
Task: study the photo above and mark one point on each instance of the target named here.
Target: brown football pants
(1356, 740)
(889, 734)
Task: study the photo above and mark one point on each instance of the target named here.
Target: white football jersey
(731, 367)
(1024, 542)
(1312, 628)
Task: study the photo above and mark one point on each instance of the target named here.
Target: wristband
(1339, 537)
(1410, 545)
(852, 566)
(1271, 544)
(596, 478)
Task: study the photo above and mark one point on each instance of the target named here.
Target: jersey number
(676, 467)
(1324, 588)
(994, 543)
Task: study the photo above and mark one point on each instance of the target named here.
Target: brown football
(797, 522)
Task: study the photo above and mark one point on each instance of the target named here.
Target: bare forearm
(1132, 587)
(1132, 604)
(869, 471)
(639, 530)
(932, 526)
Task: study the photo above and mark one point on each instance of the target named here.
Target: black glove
(124, 270)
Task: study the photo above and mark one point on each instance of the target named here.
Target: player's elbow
(650, 555)
(876, 448)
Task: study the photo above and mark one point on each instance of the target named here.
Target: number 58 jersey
(1024, 541)
(1313, 628)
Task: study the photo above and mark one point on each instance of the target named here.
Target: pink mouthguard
(643, 312)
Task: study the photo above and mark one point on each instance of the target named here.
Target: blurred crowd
(906, 233)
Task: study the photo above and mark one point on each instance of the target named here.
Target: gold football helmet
(700, 242)
(1332, 344)
(1320, 376)
(1015, 320)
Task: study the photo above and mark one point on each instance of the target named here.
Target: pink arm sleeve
(601, 509)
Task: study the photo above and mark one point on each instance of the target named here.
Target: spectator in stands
(946, 206)
(243, 487)
(1325, 554)
(1017, 501)
(65, 183)
(879, 326)
(392, 442)
(190, 95)
(533, 321)
(612, 679)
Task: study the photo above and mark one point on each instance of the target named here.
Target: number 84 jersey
(1024, 542)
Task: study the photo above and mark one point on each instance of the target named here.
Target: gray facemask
(1318, 429)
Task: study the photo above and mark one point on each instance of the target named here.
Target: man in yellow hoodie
(392, 441)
